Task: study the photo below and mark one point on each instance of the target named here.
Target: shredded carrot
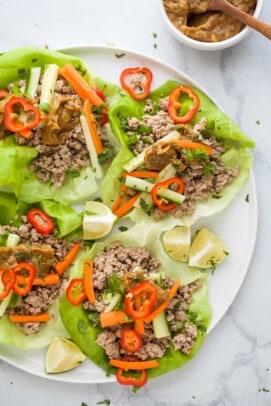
(62, 266)
(138, 365)
(33, 318)
(165, 304)
(139, 327)
(187, 144)
(112, 318)
(157, 311)
(117, 203)
(141, 174)
(92, 128)
(82, 88)
(174, 288)
(126, 207)
(50, 279)
(88, 280)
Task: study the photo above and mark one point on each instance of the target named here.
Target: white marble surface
(234, 365)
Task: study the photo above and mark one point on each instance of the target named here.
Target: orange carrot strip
(50, 279)
(187, 144)
(165, 304)
(141, 174)
(117, 203)
(88, 280)
(157, 311)
(62, 266)
(174, 288)
(126, 207)
(139, 327)
(112, 318)
(33, 318)
(82, 88)
(92, 128)
(126, 365)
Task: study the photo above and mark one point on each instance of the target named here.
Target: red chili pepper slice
(160, 202)
(139, 89)
(76, 291)
(21, 116)
(174, 104)
(132, 379)
(23, 286)
(41, 221)
(8, 278)
(140, 300)
(130, 340)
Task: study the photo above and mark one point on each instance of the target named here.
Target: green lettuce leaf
(217, 123)
(15, 159)
(84, 334)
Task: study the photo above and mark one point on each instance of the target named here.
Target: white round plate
(236, 225)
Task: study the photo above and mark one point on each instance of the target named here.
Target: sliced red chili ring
(41, 221)
(174, 104)
(27, 274)
(140, 90)
(159, 201)
(140, 300)
(21, 116)
(131, 378)
(76, 291)
(130, 340)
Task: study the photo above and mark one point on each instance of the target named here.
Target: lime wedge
(98, 220)
(62, 355)
(207, 250)
(177, 242)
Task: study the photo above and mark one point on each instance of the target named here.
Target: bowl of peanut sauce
(191, 23)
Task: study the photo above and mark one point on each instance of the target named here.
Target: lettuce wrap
(67, 225)
(217, 124)
(78, 186)
(84, 333)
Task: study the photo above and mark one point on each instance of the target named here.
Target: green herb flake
(119, 55)
(247, 198)
(123, 228)
(84, 404)
(104, 402)
(154, 35)
(258, 122)
(264, 390)
(22, 73)
(34, 60)
(154, 46)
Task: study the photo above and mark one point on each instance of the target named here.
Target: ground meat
(40, 298)
(183, 330)
(118, 259)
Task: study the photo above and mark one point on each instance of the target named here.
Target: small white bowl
(208, 46)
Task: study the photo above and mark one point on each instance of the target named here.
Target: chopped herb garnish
(264, 390)
(106, 156)
(247, 198)
(104, 402)
(22, 73)
(258, 122)
(34, 60)
(123, 228)
(72, 173)
(119, 55)
(84, 404)
(94, 318)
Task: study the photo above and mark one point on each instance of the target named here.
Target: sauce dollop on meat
(192, 19)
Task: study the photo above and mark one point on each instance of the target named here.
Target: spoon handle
(240, 15)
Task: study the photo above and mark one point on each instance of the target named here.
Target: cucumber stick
(140, 159)
(143, 186)
(160, 326)
(98, 170)
(12, 241)
(33, 82)
(48, 86)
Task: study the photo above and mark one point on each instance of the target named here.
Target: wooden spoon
(245, 18)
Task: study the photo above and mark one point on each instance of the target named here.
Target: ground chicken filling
(43, 251)
(59, 139)
(131, 266)
(204, 176)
